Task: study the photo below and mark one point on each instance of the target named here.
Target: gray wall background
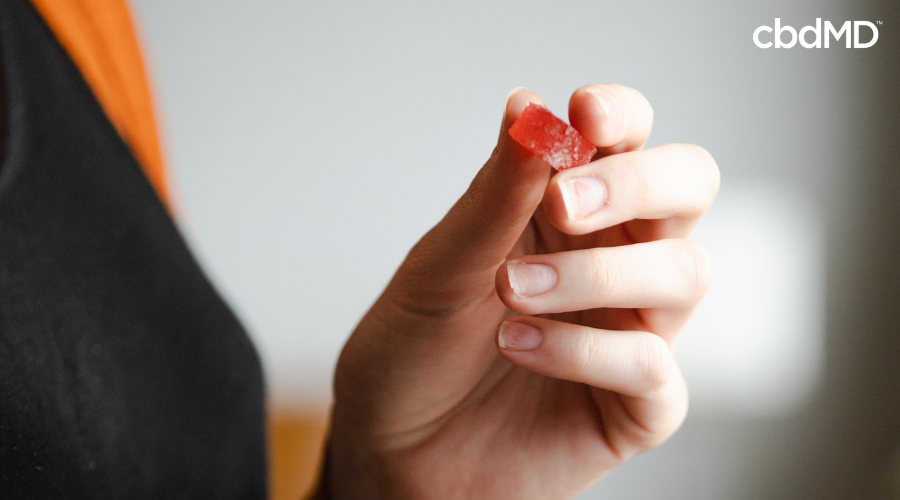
(312, 143)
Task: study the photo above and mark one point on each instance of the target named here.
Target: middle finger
(670, 274)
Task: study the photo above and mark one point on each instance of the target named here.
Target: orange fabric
(99, 37)
(296, 440)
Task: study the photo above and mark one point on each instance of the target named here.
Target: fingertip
(513, 92)
(613, 117)
(516, 101)
(595, 113)
(508, 150)
(586, 116)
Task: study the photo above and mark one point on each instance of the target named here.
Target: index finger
(613, 117)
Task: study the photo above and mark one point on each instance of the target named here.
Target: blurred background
(312, 143)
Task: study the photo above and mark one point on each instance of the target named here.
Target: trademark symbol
(878, 22)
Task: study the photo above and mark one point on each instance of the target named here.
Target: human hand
(588, 294)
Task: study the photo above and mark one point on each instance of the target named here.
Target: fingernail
(528, 280)
(582, 196)
(516, 336)
(513, 91)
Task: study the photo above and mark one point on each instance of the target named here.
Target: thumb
(421, 348)
(460, 255)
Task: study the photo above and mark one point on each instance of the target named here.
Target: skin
(431, 402)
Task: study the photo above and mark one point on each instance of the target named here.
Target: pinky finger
(637, 365)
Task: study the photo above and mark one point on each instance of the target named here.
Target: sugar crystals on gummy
(545, 135)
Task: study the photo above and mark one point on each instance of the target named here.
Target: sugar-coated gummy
(545, 135)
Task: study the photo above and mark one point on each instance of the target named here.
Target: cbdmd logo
(819, 34)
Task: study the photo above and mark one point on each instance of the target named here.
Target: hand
(444, 392)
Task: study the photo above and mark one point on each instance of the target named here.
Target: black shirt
(123, 374)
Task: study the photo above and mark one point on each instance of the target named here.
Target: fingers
(613, 117)
(630, 363)
(635, 364)
(668, 274)
(675, 181)
(479, 231)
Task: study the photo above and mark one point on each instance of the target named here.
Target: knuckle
(626, 94)
(631, 107)
(696, 268)
(711, 169)
(641, 177)
(470, 208)
(695, 152)
(469, 199)
(588, 352)
(656, 363)
(641, 114)
(639, 99)
(605, 274)
(709, 175)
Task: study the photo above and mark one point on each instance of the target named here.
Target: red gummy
(554, 140)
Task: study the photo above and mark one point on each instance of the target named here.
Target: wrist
(354, 471)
